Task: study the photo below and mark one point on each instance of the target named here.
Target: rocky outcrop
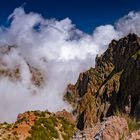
(113, 84)
(114, 128)
(134, 136)
(39, 125)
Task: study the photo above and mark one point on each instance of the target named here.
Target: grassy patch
(67, 128)
(137, 54)
(44, 129)
(132, 124)
(122, 137)
(131, 121)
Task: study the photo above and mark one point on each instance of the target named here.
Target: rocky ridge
(114, 84)
(39, 125)
(105, 99)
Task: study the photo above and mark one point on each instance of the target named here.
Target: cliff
(114, 84)
(105, 99)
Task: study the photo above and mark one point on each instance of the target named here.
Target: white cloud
(129, 23)
(67, 51)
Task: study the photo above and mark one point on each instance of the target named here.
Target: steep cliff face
(113, 84)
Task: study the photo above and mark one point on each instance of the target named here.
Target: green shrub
(21, 120)
(122, 137)
(44, 129)
(67, 128)
(136, 55)
(132, 123)
(65, 137)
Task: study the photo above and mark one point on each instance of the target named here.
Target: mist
(58, 50)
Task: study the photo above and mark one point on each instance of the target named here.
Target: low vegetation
(131, 121)
(49, 127)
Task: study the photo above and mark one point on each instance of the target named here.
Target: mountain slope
(113, 84)
(111, 89)
(39, 125)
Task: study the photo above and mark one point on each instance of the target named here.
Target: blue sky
(86, 14)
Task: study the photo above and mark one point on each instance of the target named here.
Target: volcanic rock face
(113, 84)
(113, 129)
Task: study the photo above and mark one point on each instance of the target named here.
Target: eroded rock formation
(113, 84)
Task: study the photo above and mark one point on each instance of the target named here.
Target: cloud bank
(59, 50)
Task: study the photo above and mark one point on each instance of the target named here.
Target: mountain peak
(112, 84)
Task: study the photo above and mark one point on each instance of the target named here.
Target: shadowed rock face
(113, 83)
